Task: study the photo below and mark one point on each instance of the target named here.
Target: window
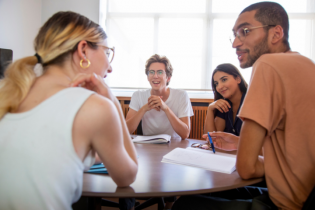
(194, 35)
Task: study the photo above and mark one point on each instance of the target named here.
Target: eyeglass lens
(240, 34)
(110, 54)
(159, 73)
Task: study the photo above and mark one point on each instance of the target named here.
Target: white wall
(20, 21)
(88, 8)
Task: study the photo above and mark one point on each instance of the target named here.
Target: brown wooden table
(157, 179)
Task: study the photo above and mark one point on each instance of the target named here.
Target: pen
(210, 139)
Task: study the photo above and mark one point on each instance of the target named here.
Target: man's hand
(146, 108)
(223, 140)
(156, 102)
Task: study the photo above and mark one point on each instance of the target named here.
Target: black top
(228, 117)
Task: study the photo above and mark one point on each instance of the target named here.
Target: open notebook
(206, 159)
(156, 139)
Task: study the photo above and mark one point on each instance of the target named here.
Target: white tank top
(39, 168)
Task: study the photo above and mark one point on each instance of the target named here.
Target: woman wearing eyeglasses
(229, 88)
(163, 110)
(52, 122)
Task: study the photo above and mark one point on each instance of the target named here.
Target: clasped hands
(157, 103)
(223, 140)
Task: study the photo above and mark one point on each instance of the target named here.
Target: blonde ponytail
(17, 82)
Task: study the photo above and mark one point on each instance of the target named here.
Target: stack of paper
(206, 159)
(156, 139)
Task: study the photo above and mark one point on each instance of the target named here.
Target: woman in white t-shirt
(49, 127)
(163, 110)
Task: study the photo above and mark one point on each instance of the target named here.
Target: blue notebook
(98, 169)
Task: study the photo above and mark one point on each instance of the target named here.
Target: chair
(109, 203)
(85, 203)
(150, 202)
(310, 201)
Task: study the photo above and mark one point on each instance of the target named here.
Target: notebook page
(208, 161)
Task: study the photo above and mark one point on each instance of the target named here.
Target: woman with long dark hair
(229, 88)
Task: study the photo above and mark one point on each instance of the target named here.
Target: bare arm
(180, 125)
(127, 139)
(134, 117)
(118, 153)
(248, 163)
(216, 123)
(213, 124)
(106, 131)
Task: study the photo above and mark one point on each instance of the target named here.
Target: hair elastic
(39, 59)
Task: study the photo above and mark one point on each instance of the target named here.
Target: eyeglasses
(241, 33)
(201, 146)
(110, 52)
(159, 73)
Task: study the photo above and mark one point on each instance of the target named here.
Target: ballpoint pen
(210, 139)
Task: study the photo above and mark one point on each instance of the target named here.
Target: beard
(259, 50)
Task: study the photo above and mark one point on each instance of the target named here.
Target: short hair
(231, 70)
(271, 13)
(160, 59)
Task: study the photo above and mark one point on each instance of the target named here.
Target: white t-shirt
(156, 122)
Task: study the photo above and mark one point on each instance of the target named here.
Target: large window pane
(232, 6)
(301, 36)
(133, 40)
(181, 40)
(183, 37)
(160, 6)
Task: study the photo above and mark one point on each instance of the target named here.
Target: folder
(97, 169)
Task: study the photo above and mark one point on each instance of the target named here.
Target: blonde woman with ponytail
(52, 122)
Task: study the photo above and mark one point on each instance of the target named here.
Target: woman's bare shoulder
(96, 112)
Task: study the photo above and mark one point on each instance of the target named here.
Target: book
(97, 169)
(156, 139)
(206, 159)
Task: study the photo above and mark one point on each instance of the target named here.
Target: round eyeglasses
(201, 146)
(110, 52)
(159, 73)
(241, 33)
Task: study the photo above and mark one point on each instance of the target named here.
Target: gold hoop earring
(87, 66)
